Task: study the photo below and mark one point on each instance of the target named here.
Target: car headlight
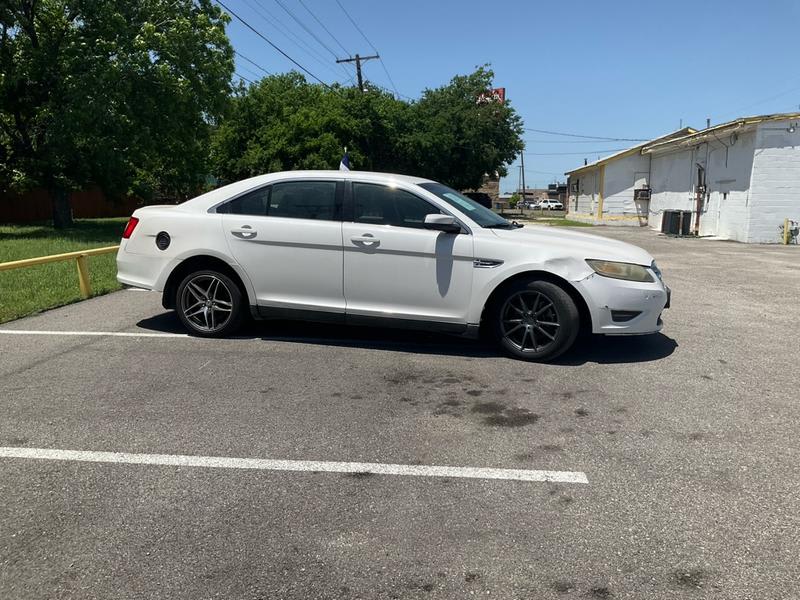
(620, 270)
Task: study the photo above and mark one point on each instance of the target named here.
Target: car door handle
(365, 239)
(245, 232)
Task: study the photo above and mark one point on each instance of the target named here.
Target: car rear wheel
(209, 304)
(535, 320)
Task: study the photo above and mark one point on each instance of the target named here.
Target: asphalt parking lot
(688, 442)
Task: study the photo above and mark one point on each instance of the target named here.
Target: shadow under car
(587, 349)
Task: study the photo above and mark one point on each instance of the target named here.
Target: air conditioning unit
(676, 222)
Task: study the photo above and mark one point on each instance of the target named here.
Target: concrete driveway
(402, 465)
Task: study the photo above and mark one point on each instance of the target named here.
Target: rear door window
(289, 199)
(304, 200)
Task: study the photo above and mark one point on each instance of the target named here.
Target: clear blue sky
(612, 69)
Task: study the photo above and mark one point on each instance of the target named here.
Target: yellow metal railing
(80, 260)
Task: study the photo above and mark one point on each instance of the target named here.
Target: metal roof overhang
(713, 133)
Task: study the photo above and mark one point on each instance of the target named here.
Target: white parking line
(222, 462)
(92, 333)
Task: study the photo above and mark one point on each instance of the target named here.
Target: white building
(737, 181)
(610, 190)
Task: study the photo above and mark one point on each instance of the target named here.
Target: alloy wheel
(207, 303)
(529, 321)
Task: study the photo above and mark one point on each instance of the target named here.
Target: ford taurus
(375, 248)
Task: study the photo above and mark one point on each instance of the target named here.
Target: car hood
(577, 244)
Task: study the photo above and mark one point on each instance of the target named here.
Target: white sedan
(375, 248)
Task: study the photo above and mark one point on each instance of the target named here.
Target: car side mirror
(446, 223)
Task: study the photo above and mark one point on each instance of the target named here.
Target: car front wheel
(209, 304)
(535, 320)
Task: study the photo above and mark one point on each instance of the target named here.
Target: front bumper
(620, 307)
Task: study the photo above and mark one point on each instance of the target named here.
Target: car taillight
(132, 223)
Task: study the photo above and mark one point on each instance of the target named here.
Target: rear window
(289, 199)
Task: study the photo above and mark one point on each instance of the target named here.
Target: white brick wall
(619, 183)
(726, 209)
(672, 182)
(775, 189)
(728, 164)
(587, 191)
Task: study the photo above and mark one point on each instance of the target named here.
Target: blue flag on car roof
(344, 165)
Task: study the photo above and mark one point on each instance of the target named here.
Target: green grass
(32, 289)
(565, 223)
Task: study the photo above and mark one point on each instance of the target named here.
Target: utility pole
(522, 170)
(358, 60)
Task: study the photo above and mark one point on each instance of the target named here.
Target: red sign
(496, 95)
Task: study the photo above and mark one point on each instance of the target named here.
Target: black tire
(210, 304)
(534, 320)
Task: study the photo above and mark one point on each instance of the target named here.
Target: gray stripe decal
(365, 250)
(405, 253)
(336, 247)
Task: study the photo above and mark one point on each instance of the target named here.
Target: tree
(283, 122)
(109, 92)
(514, 200)
(457, 140)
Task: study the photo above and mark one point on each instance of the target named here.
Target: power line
(255, 64)
(291, 36)
(388, 91)
(590, 137)
(275, 22)
(297, 20)
(758, 102)
(563, 141)
(347, 14)
(250, 72)
(585, 152)
(541, 172)
(242, 77)
(266, 39)
(321, 24)
(303, 25)
(385, 70)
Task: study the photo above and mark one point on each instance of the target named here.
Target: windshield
(480, 214)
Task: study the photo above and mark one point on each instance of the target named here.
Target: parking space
(422, 466)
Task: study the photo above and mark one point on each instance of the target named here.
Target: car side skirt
(270, 313)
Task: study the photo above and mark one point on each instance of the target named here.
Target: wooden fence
(36, 206)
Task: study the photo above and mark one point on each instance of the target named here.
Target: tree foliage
(284, 122)
(110, 92)
(455, 139)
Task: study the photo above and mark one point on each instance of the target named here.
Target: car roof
(209, 199)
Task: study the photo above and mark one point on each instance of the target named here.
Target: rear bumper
(142, 271)
(621, 307)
